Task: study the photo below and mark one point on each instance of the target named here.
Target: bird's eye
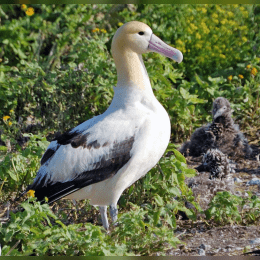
(141, 33)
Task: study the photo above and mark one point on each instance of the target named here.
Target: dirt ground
(201, 238)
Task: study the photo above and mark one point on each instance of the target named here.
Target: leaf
(185, 94)
(59, 222)
(179, 156)
(159, 200)
(2, 77)
(190, 172)
(168, 219)
(156, 216)
(12, 175)
(174, 191)
(3, 148)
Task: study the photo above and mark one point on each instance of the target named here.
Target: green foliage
(38, 231)
(227, 208)
(141, 236)
(18, 169)
(211, 37)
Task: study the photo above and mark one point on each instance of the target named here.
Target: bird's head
(139, 38)
(221, 107)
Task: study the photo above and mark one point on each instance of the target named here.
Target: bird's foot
(103, 212)
(113, 212)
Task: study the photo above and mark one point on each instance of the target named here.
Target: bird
(217, 163)
(222, 134)
(100, 158)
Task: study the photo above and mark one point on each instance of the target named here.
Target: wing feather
(106, 161)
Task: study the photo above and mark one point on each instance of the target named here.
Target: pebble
(238, 193)
(255, 241)
(202, 246)
(205, 247)
(236, 179)
(254, 181)
(201, 252)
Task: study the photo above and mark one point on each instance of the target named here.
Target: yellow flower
(103, 30)
(254, 71)
(244, 39)
(30, 193)
(198, 36)
(11, 111)
(204, 10)
(30, 11)
(10, 123)
(230, 77)
(46, 199)
(193, 27)
(248, 66)
(95, 30)
(232, 23)
(245, 14)
(179, 42)
(198, 45)
(214, 16)
(23, 7)
(120, 24)
(243, 28)
(189, 30)
(230, 14)
(240, 76)
(6, 118)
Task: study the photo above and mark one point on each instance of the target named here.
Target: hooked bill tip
(178, 56)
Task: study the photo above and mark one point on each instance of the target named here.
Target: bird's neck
(226, 121)
(131, 71)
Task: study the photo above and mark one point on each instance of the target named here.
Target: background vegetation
(56, 71)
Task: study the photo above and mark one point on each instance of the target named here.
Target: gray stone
(255, 241)
(254, 181)
(205, 247)
(201, 252)
(236, 179)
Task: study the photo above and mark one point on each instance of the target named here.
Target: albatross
(100, 158)
(222, 134)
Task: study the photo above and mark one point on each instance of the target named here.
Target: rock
(254, 181)
(255, 241)
(202, 246)
(238, 193)
(205, 247)
(236, 179)
(201, 252)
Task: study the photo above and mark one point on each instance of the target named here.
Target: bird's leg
(113, 212)
(103, 212)
(75, 205)
(8, 209)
